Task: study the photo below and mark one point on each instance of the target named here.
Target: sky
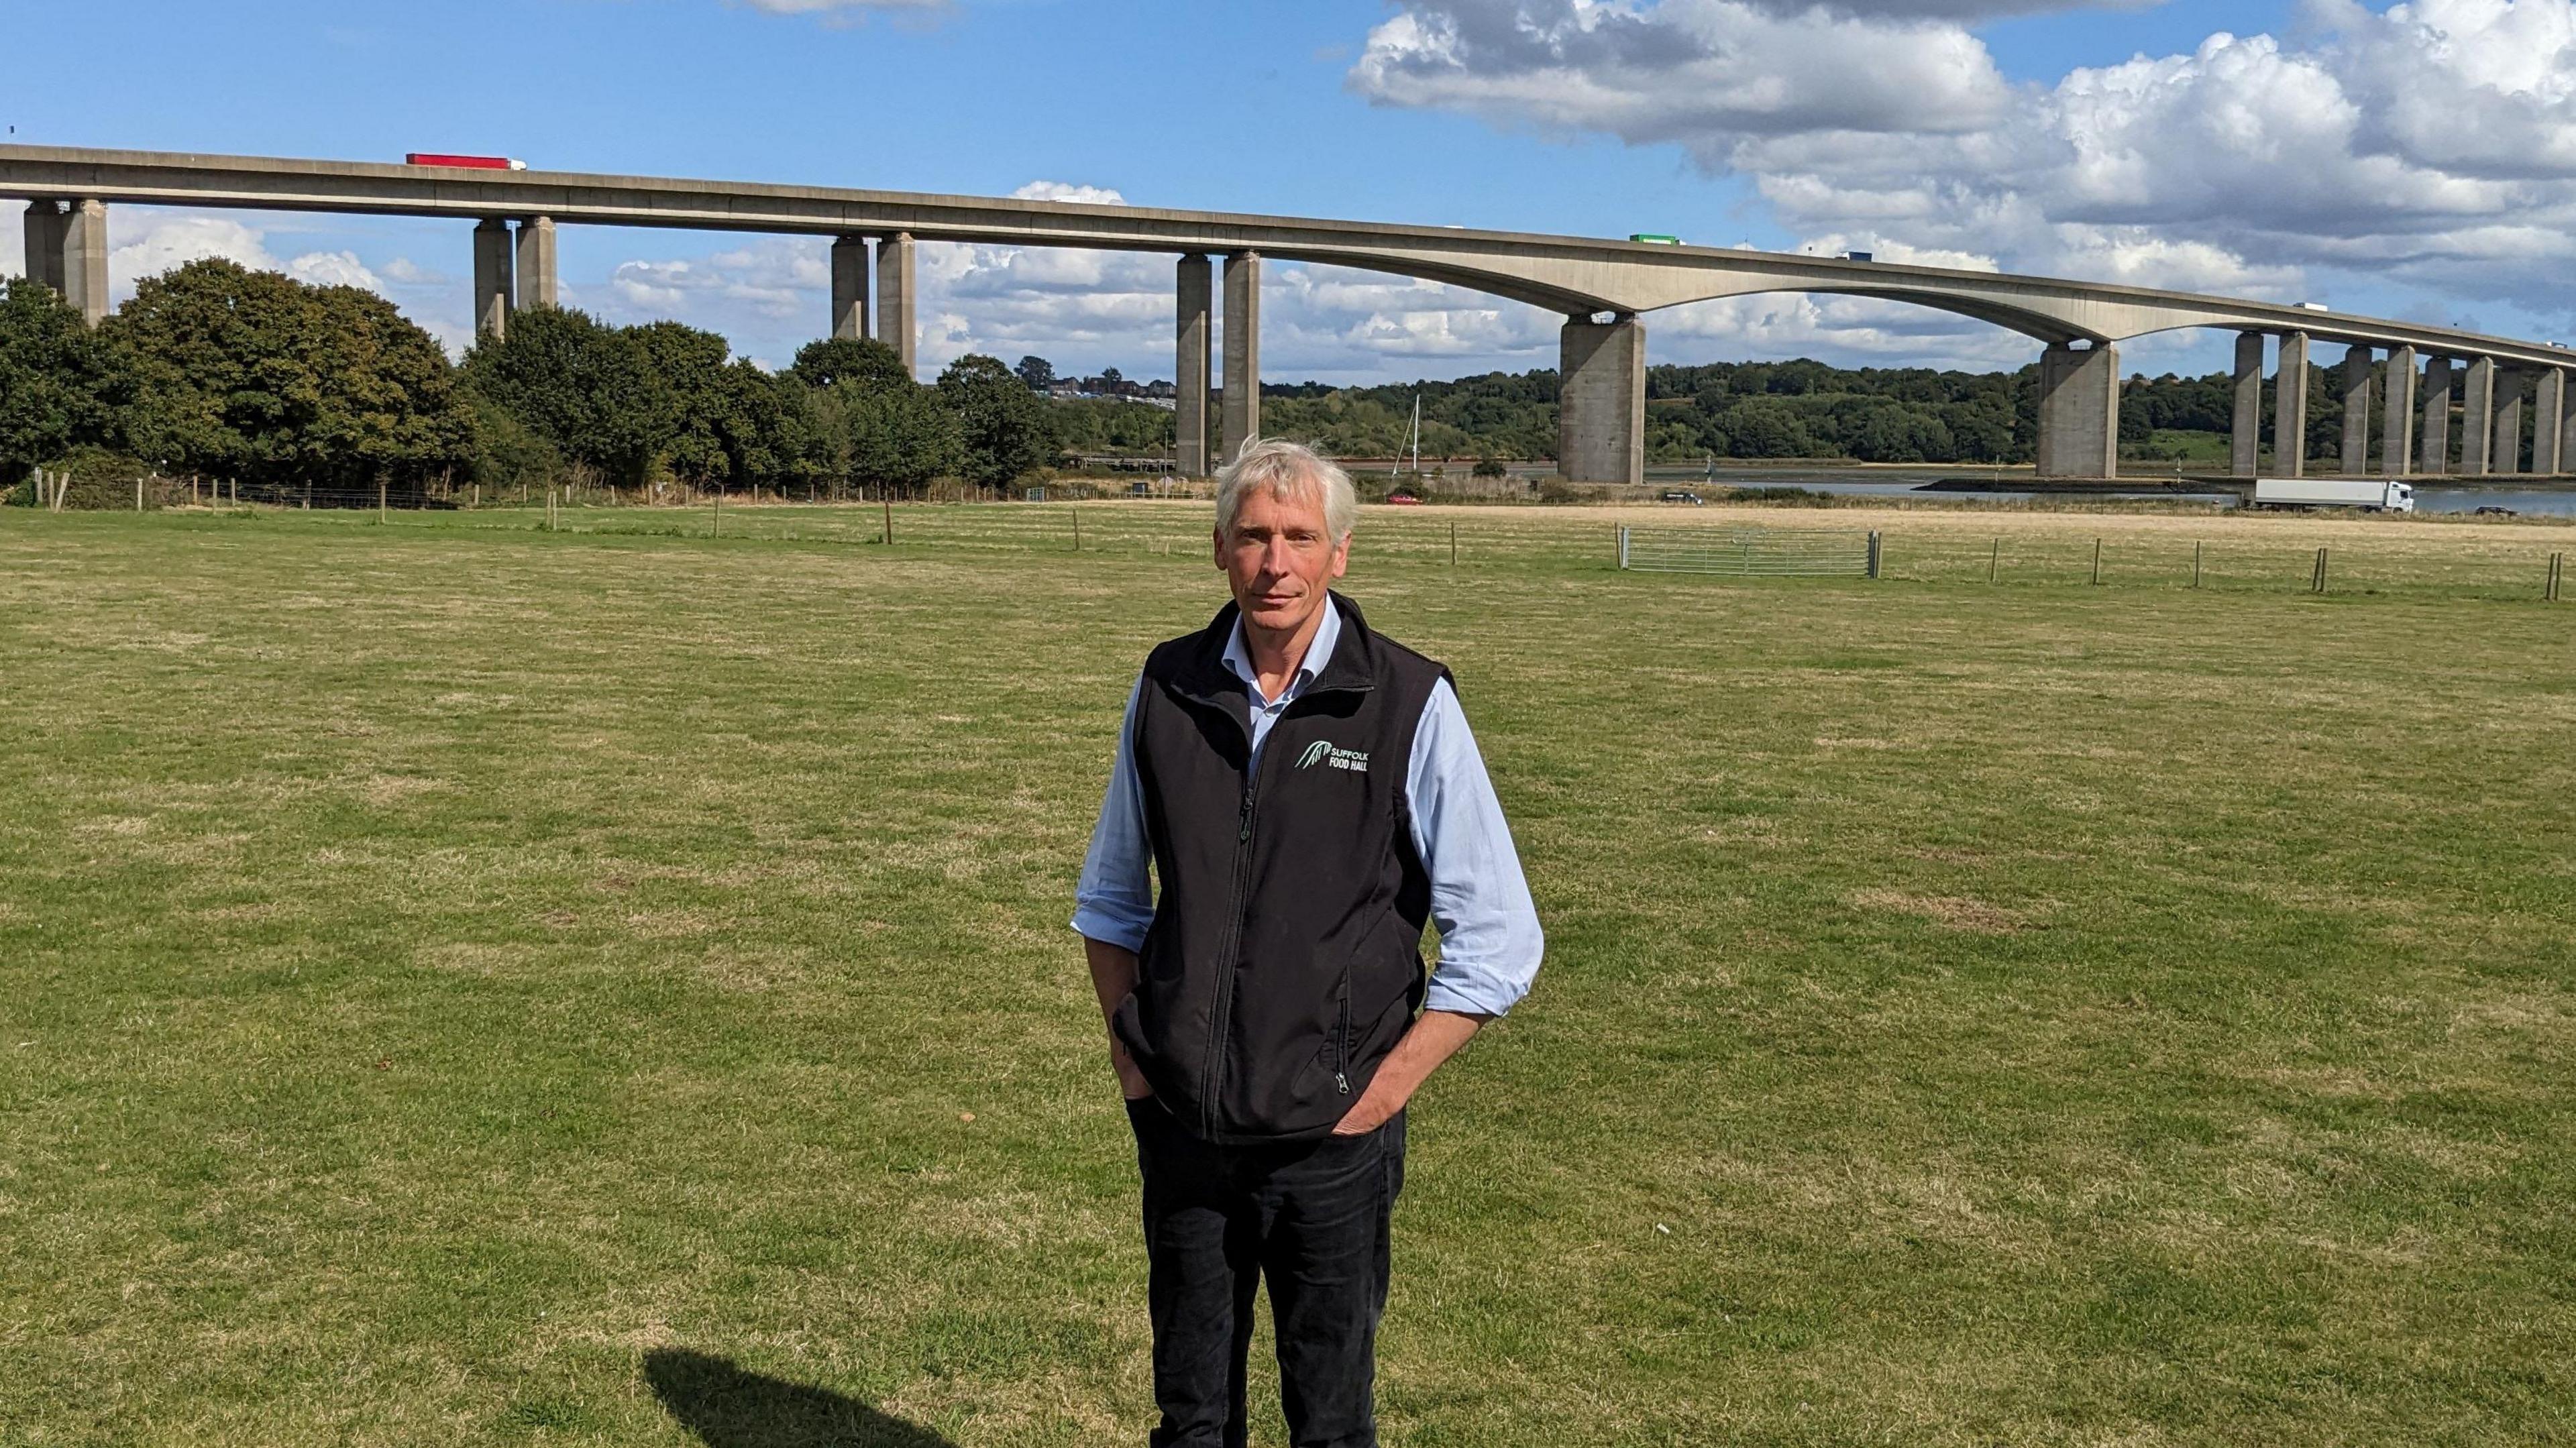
(2413, 160)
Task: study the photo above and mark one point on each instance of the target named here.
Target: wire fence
(2465, 561)
(1751, 552)
(2471, 560)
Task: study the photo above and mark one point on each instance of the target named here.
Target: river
(2527, 497)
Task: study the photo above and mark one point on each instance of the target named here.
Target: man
(1309, 795)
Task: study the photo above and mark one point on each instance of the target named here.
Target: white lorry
(2371, 495)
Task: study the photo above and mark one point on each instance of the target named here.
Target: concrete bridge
(1601, 287)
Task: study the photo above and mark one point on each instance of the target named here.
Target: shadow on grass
(730, 1408)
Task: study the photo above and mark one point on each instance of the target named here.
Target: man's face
(1280, 558)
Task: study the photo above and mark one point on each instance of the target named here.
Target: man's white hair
(1285, 470)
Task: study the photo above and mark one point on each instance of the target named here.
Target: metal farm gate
(1751, 552)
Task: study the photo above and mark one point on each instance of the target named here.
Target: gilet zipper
(1342, 1041)
(1221, 1023)
(1221, 1020)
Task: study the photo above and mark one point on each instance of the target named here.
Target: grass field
(465, 984)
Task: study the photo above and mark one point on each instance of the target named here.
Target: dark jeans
(1311, 1217)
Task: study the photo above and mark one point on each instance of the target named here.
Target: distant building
(1158, 393)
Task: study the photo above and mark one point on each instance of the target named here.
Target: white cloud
(1062, 191)
(146, 244)
(334, 269)
(402, 271)
(771, 278)
(1949, 9)
(2432, 146)
(1701, 73)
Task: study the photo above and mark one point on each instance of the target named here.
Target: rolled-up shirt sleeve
(1490, 941)
(1114, 901)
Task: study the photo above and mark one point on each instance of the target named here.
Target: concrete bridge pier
(535, 284)
(1601, 400)
(2477, 417)
(2436, 457)
(67, 250)
(2506, 456)
(2397, 408)
(896, 297)
(2566, 433)
(46, 228)
(2079, 411)
(2245, 439)
(493, 293)
(1193, 340)
(85, 259)
(849, 288)
(2290, 408)
(1242, 353)
(2355, 455)
(2548, 407)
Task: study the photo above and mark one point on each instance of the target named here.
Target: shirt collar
(1319, 652)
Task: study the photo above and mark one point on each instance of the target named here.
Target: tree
(901, 439)
(835, 360)
(768, 430)
(1896, 433)
(1109, 425)
(510, 456)
(1766, 427)
(591, 390)
(288, 386)
(1037, 372)
(704, 397)
(1003, 428)
(61, 385)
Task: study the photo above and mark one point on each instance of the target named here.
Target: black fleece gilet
(1285, 960)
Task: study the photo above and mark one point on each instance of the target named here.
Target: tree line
(290, 390)
(1773, 410)
(1768, 410)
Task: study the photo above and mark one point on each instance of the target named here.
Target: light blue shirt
(1490, 942)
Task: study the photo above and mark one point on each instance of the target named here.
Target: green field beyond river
(467, 984)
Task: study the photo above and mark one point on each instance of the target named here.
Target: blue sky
(1999, 126)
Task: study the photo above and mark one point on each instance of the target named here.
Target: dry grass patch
(1950, 912)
